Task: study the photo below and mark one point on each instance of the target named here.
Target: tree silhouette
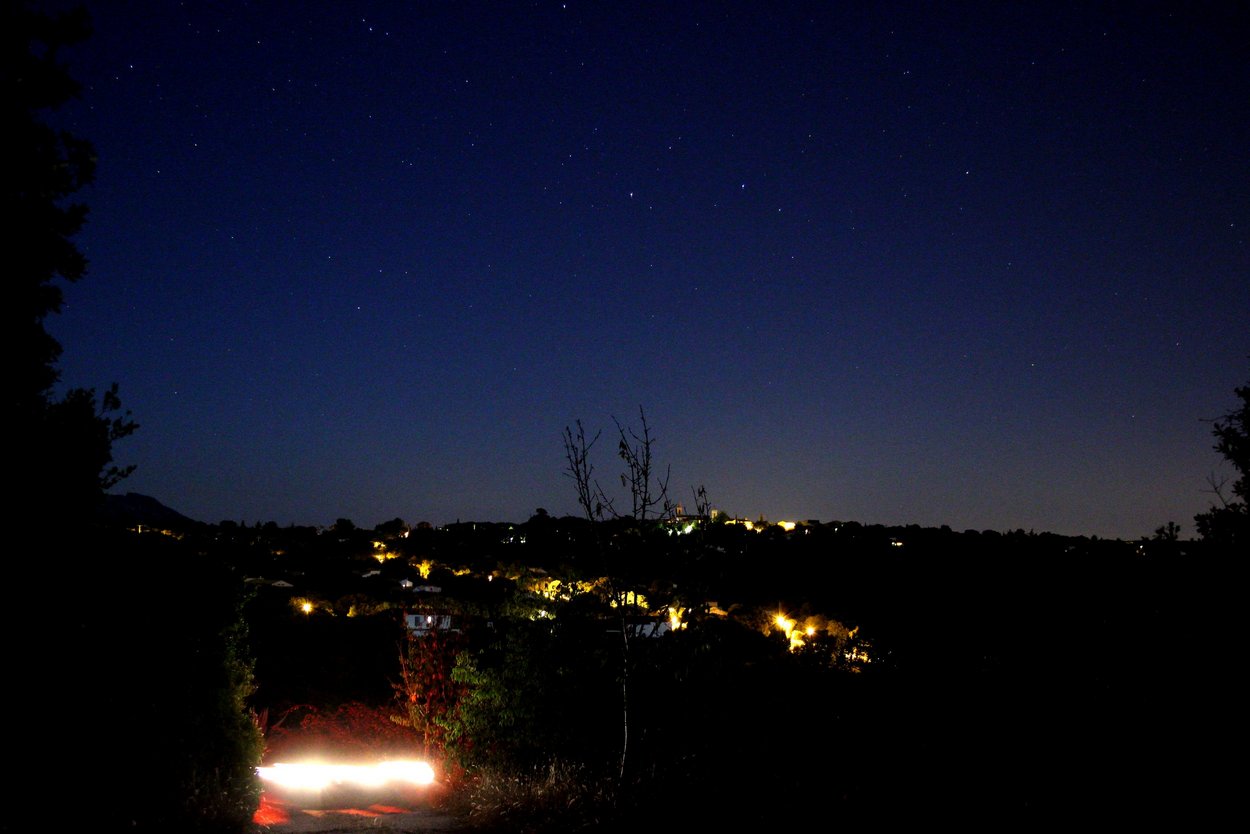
(69, 438)
(649, 502)
(1228, 525)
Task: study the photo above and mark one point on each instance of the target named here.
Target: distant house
(650, 628)
(260, 580)
(652, 625)
(419, 625)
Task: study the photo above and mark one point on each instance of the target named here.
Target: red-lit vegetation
(348, 731)
(426, 689)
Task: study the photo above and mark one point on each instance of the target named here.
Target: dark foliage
(1227, 525)
(320, 659)
(68, 456)
(533, 692)
(146, 679)
(144, 675)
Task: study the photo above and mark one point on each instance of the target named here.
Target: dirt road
(277, 818)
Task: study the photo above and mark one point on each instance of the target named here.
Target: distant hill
(132, 509)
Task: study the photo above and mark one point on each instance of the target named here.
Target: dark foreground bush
(145, 683)
(557, 797)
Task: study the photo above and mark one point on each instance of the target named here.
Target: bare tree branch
(649, 499)
(590, 496)
(648, 493)
(1217, 485)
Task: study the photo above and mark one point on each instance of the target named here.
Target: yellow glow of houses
(559, 589)
(791, 630)
(381, 553)
(630, 598)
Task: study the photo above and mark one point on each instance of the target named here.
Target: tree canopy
(1228, 523)
(69, 436)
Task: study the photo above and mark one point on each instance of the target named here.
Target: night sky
(980, 264)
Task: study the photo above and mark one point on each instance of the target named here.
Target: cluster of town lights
(790, 628)
(798, 637)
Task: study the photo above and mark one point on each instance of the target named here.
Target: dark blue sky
(983, 265)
